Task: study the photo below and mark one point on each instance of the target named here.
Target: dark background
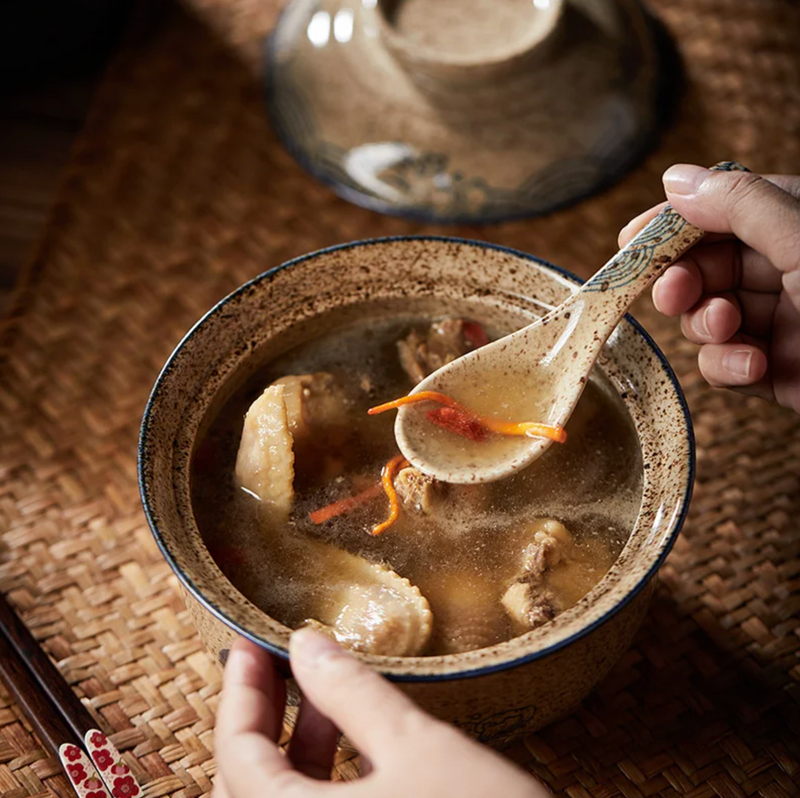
(52, 53)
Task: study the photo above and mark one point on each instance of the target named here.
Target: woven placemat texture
(178, 192)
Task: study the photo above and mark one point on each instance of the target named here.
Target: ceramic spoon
(539, 372)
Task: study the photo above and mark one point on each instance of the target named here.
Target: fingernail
(312, 647)
(684, 179)
(738, 362)
(656, 292)
(701, 323)
(239, 663)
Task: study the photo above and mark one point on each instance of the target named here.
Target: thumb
(755, 210)
(372, 712)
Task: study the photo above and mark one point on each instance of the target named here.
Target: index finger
(638, 223)
(789, 183)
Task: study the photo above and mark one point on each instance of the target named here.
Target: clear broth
(461, 559)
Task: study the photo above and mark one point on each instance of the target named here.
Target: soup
(288, 496)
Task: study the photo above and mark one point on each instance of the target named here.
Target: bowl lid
(368, 111)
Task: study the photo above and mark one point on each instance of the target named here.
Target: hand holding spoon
(539, 372)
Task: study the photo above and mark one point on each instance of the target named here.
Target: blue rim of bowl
(468, 673)
(645, 143)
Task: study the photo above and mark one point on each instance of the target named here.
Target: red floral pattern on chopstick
(96, 739)
(112, 766)
(71, 753)
(77, 773)
(102, 759)
(82, 774)
(125, 787)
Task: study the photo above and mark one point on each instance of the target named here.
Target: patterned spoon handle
(656, 247)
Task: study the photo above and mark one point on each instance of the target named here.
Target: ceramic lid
(441, 125)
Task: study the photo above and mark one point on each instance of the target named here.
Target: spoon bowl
(538, 373)
(471, 380)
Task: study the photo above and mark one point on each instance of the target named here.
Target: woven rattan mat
(178, 192)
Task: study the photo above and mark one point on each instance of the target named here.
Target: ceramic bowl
(464, 110)
(495, 692)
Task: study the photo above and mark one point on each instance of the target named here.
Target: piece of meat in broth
(316, 408)
(418, 492)
(265, 461)
(466, 611)
(528, 600)
(529, 605)
(370, 608)
(443, 342)
(549, 547)
(424, 495)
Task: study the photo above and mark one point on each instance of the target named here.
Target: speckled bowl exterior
(493, 693)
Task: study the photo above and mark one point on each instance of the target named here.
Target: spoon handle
(638, 264)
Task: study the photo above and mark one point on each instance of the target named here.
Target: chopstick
(63, 724)
(25, 690)
(47, 676)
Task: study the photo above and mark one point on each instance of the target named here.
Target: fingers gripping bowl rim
(341, 283)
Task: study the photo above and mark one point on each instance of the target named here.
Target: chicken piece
(411, 350)
(529, 605)
(555, 573)
(444, 341)
(265, 461)
(376, 620)
(316, 409)
(550, 544)
(425, 495)
(418, 492)
(528, 600)
(372, 609)
(467, 614)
